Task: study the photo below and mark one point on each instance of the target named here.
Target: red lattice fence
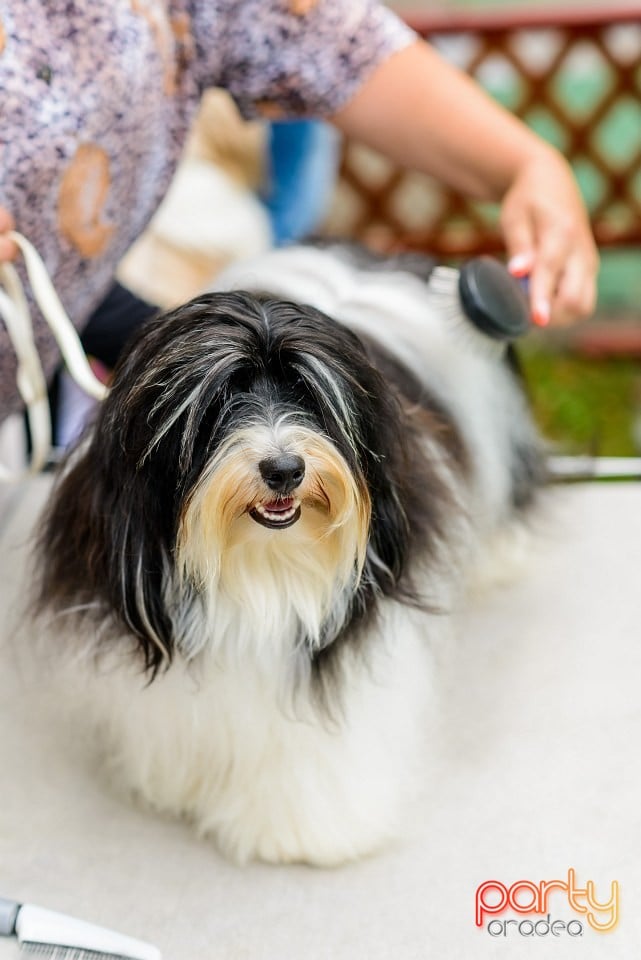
(575, 76)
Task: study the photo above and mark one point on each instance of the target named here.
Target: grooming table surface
(534, 766)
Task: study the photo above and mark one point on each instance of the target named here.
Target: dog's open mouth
(276, 514)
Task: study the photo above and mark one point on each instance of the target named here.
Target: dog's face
(258, 414)
(250, 467)
(247, 446)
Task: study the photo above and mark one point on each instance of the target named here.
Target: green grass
(583, 405)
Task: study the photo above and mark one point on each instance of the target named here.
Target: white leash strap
(30, 378)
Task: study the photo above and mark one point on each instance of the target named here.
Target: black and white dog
(263, 532)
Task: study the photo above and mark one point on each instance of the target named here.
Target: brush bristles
(56, 951)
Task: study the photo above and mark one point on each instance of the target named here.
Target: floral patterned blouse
(97, 99)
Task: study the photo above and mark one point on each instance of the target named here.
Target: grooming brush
(492, 300)
(54, 936)
(496, 303)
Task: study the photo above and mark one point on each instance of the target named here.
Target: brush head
(493, 299)
(45, 933)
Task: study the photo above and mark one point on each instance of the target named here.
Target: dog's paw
(317, 830)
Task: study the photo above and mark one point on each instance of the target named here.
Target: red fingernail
(541, 314)
(520, 265)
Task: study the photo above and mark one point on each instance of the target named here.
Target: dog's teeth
(281, 516)
(285, 515)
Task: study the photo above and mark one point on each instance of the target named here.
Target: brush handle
(46, 928)
(8, 915)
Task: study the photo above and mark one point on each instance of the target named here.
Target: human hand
(548, 237)
(8, 249)
(406, 108)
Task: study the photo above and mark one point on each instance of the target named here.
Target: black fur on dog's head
(159, 504)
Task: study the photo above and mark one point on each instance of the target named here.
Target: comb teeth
(55, 951)
(47, 934)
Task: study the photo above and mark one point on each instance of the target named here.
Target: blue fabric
(302, 165)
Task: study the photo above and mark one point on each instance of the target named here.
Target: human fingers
(563, 278)
(518, 232)
(545, 276)
(8, 249)
(575, 297)
(542, 250)
(519, 226)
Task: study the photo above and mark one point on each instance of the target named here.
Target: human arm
(425, 114)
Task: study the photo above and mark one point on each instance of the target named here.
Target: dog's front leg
(274, 775)
(324, 784)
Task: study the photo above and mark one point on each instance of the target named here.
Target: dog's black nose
(283, 473)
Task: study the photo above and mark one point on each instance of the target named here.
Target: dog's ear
(387, 458)
(104, 549)
(411, 497)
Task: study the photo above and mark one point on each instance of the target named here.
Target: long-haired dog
(263, 532)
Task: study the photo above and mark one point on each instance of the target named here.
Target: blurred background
(572, 72)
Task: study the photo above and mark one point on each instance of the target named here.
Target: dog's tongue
(279, 506)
